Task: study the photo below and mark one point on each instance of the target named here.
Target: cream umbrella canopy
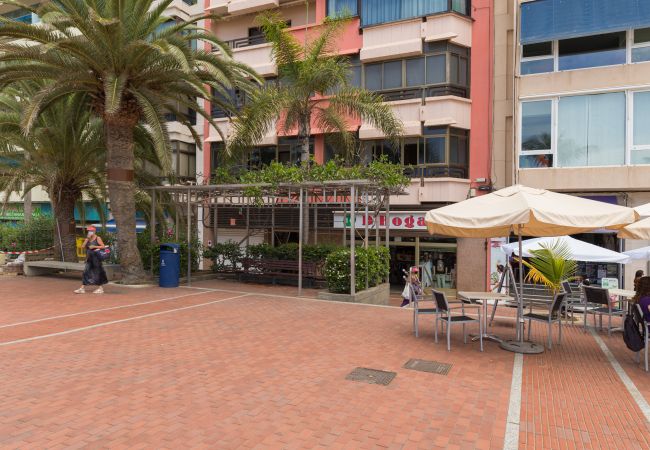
(525, 211)
(639, 230)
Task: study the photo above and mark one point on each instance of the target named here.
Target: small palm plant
(551, 265)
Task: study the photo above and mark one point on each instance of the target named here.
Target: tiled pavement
(254, 367)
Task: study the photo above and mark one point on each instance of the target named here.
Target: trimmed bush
(225, 256)
(373, 263)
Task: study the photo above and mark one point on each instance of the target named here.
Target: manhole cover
(428, 366)
(372, 376)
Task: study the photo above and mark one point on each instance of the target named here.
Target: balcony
(259, 57)
(238, 7)
(184, 8)
(448, 27)
(225, 125)
(433, 190)
(414, 107)
(391, 40)
(408, 111)
(447, 110)
(405, 38)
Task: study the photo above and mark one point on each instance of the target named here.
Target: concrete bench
(36, 268)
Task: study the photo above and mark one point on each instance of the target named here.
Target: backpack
(632, 334)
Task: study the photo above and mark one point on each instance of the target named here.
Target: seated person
(18, 261)
(642, 297)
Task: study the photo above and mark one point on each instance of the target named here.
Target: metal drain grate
(372, 376)
(428, 366)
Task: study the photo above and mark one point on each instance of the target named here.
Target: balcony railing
(436, 171)
(392, 95)
(246, 41)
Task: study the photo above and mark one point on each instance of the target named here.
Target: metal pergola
(350, 195)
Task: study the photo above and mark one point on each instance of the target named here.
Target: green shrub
(150, 252)
(373, 263)
(225, 256)
(289, 252)
(36, 234)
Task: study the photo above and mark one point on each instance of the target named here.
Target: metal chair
(603, 307)
(446, 316)
(637, 313)
(574, 300)
(415, 300)
(554, 315)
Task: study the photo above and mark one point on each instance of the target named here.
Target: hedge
(373, 262)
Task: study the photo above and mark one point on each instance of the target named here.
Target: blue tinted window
(381, 11)
(341, 7)
(536, 66)
(536, 125)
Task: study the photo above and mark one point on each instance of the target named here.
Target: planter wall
(378, 295)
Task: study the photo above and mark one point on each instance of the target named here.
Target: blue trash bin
(170, 265)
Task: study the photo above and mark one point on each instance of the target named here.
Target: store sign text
(398, 221)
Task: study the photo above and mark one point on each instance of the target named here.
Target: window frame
(629, 47)
(371, 145)
(448, 52)
(630, 147)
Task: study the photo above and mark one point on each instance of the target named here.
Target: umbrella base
(525, 347)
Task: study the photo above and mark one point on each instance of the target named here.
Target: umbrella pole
(519, 345)
(520, 300)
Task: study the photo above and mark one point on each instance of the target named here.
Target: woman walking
(94, 274)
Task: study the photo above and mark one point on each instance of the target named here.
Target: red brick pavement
(269, 372)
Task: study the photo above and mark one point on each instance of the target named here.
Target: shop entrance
(435, 257)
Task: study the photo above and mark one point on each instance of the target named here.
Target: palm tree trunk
(121, 192)
(64, 228)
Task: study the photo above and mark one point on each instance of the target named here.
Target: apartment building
(184, 157)
(571, 103)
(431, 60)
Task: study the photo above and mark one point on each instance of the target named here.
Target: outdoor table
(483, 297)
(623, 295)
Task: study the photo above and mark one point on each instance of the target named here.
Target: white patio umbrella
(580, 250)
(643, 210)
(638, 253)
(525, 211)
(639, 230)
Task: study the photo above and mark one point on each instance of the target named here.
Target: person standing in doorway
(94, 273)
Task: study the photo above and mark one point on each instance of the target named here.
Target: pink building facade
(432, 62)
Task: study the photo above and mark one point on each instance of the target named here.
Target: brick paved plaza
(244, 366)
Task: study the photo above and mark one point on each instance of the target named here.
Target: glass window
(436, 69)
(463, 72)
(535, 161)
(433, 150)
(410, 152)
(592, 51)
(355, 76)
(641, 115)
(642, 35)
(536, 125)
(392, 75)
(640, 54)
(415, 72)
(382, 11)
(373, 77)
(640, 157)
(591, 130)
(341, 7)
(536, 66)
(453, 69)
(539, 49)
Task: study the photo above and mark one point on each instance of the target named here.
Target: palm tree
(313, 88)
(64, 153)
(133, 67)
(551, 264)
